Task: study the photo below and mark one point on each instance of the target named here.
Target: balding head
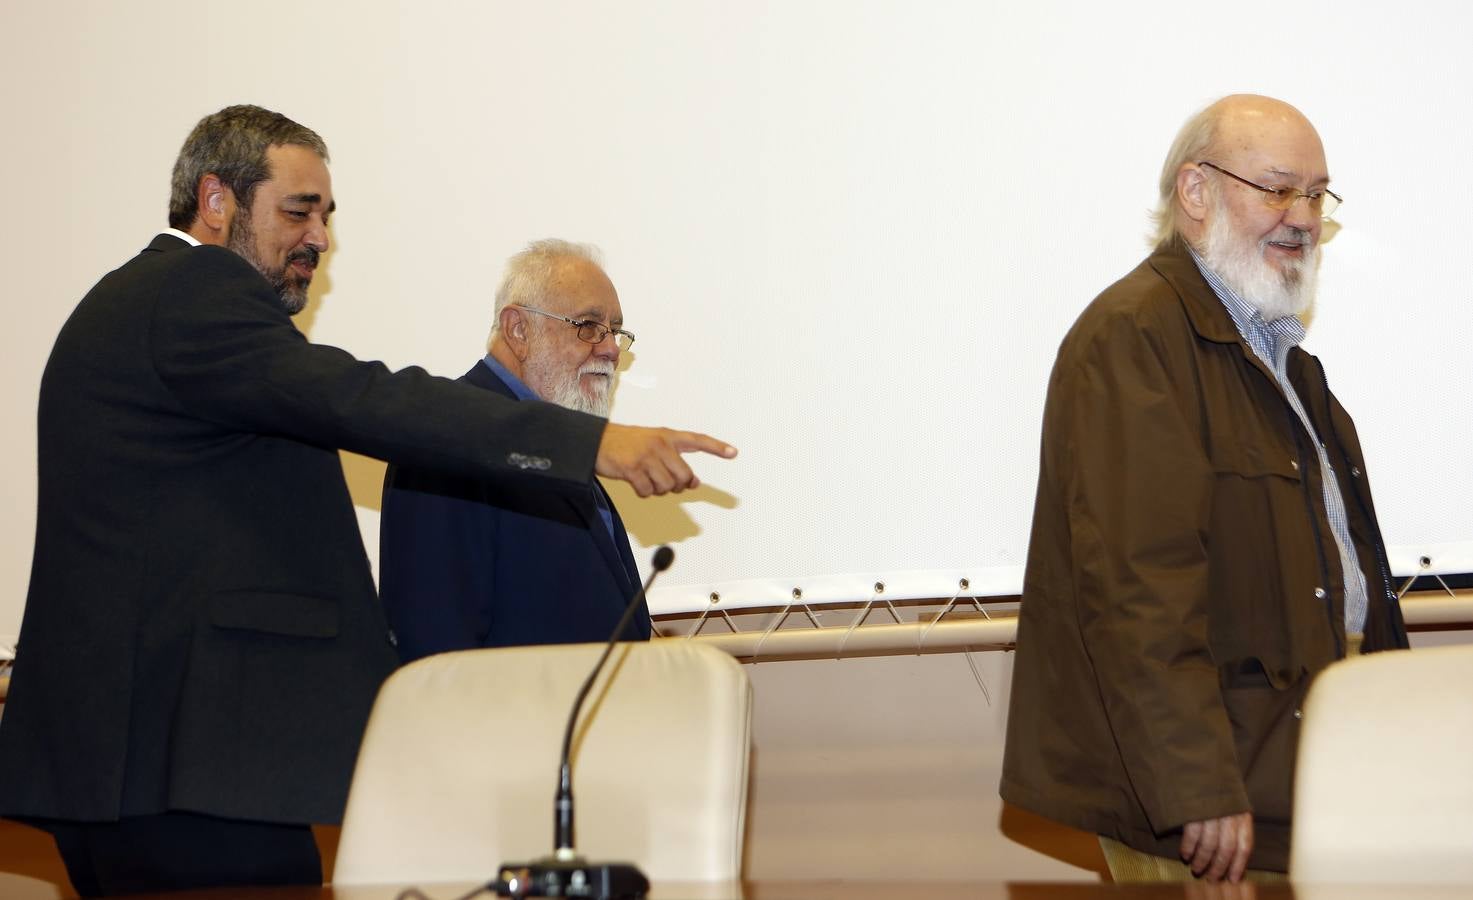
(1244, 189)
(1249, 124)
(1247, 134)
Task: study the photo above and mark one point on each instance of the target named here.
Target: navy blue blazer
(465, 562)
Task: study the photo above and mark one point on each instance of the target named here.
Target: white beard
(566, 389)
(1241, 265)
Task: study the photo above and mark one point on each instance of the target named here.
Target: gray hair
(1192, 144)
(232, 144)
(529, 272)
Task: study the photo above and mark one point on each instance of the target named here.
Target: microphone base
(551, 877)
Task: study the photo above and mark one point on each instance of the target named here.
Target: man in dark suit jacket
(470, 562)
(202, 640)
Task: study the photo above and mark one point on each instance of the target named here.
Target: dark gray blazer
(202, 631)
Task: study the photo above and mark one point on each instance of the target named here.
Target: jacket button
(1319, 593)
(1294, 464)
(1355, 471)
(1298, 713)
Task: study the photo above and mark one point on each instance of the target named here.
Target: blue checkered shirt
(1271, 342)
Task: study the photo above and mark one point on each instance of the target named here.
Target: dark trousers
(178, 851)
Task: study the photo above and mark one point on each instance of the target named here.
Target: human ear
(1191, 191)
(216, 204)
(513, 325)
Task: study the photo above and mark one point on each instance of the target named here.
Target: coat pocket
(1261, 708)
(1249, 460)
(293, 615)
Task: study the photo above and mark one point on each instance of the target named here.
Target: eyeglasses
(1322, 203)
(589, 331)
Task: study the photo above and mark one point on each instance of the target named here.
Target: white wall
(849, 235)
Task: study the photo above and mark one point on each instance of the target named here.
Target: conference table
(900, 889)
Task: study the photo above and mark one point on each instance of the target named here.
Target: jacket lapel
(618, 558)
(1209, 318)
(481, 376)
(614, 547)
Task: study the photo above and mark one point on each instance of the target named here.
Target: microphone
(565, 873)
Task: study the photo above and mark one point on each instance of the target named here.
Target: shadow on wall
(663, 520)
(365, 477)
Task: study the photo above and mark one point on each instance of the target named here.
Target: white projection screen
(849, 235)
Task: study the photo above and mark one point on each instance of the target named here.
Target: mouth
(1292, 243)
(303, 262)
(303, 269)
(597, 382)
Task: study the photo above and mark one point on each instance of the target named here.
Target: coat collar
(164, 242)
(481, 376)
(1209, 318)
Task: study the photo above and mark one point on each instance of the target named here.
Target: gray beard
(242, 241)
(1242, 266)
(564, 390)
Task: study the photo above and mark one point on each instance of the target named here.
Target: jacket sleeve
(1139, 489)
(224, 347)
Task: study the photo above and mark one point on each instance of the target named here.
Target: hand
(650, 458)
(1218, 849)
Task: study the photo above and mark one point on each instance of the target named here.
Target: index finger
(694, 441)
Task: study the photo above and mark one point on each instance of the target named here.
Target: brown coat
(1182, 584)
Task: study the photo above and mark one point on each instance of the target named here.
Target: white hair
(1192, 144)
(529, 272)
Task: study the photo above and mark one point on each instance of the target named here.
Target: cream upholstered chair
(459, 764)
(1384, 784)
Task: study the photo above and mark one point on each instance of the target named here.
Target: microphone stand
(565, 873)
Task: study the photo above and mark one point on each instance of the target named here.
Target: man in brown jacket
(1203, 539)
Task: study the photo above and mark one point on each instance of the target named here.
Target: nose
(316, 236)
(608, 348)
(1302, 215)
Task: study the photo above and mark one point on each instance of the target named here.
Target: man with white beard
(466, 563)
(1203, 539)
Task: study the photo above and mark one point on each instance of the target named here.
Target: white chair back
(1384, 784)
(459, 764)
